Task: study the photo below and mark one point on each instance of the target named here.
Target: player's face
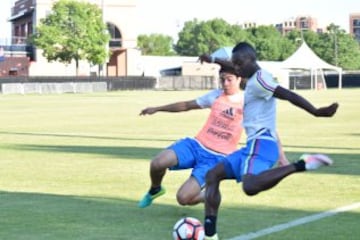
(242, 65)
(230, 83)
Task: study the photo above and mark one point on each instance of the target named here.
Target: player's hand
(205, 58)
(148, 111)
(328, 111)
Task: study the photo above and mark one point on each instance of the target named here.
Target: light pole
(335, 48)
(333, 30)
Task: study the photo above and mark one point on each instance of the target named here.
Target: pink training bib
(223, 128)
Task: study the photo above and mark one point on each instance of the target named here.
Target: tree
(199, 37)
(341, 48)
(73, 31)
(269, 43)
(155, 44)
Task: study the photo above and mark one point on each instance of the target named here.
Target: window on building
(17, 31)
(30, 28)
(115, 35)
(356, 32)
(356, 22)
(304, 25)
(23, 30)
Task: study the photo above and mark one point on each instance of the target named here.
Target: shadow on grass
(151, 139)
(320, 147)
(355, 134)
(344, 164)
(115, 152)
(84, 136)
(48, 216)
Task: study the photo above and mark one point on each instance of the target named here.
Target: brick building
(354, 23)
(120, 17)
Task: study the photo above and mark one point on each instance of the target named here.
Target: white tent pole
(312, 79)
(340, 78)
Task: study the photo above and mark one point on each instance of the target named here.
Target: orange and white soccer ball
(188, 228)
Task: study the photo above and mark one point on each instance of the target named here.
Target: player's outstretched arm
(209, 59)
(301, 102)
(173, 107)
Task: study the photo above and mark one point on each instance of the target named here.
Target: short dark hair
(246, 50)
(228, 69)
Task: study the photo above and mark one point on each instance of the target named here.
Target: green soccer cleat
(148, 198)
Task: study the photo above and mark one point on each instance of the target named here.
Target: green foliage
(268, 43)
(199, 37)
(155, 44)
(339, 48)
(73, 31)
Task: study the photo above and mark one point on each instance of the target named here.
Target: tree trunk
(77, 67)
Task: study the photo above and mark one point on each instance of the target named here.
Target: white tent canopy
(305, 58)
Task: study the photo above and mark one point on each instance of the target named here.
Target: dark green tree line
(334, 46)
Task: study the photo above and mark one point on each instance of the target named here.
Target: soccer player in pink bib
(219, 137)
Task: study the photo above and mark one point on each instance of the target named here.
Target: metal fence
(187, 82)
(16, 84)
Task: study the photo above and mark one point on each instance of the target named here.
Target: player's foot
(214, 237)
(148, 198)
(314, 161)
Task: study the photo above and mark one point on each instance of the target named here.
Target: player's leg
(257, 169)
(190, 192)
(158, 166)
(178, 156)
(253, 184)
(213, 199)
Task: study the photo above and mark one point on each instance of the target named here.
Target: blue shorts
(259, 154)
(191, 154)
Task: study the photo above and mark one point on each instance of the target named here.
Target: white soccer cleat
(214, 237)
(314, 161)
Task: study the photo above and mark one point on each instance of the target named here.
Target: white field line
(296, 222)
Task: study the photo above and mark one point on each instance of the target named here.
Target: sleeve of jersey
(266, 84)
(207, 100)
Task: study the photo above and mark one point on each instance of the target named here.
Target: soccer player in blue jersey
(253, 164)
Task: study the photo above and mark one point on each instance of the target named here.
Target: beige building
(354, 23)
(303, 23)
(121, 19)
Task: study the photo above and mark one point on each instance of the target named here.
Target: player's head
(230, 81)
(244, 59)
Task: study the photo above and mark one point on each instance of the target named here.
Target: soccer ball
(188, 228)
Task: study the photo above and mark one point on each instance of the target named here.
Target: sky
(168, 16)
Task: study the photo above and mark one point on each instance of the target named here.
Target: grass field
(75, 166)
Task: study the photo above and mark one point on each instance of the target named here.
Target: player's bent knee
(183, 199)
(250, 191)
(158, 164)
(155, 165)
(249, 186)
